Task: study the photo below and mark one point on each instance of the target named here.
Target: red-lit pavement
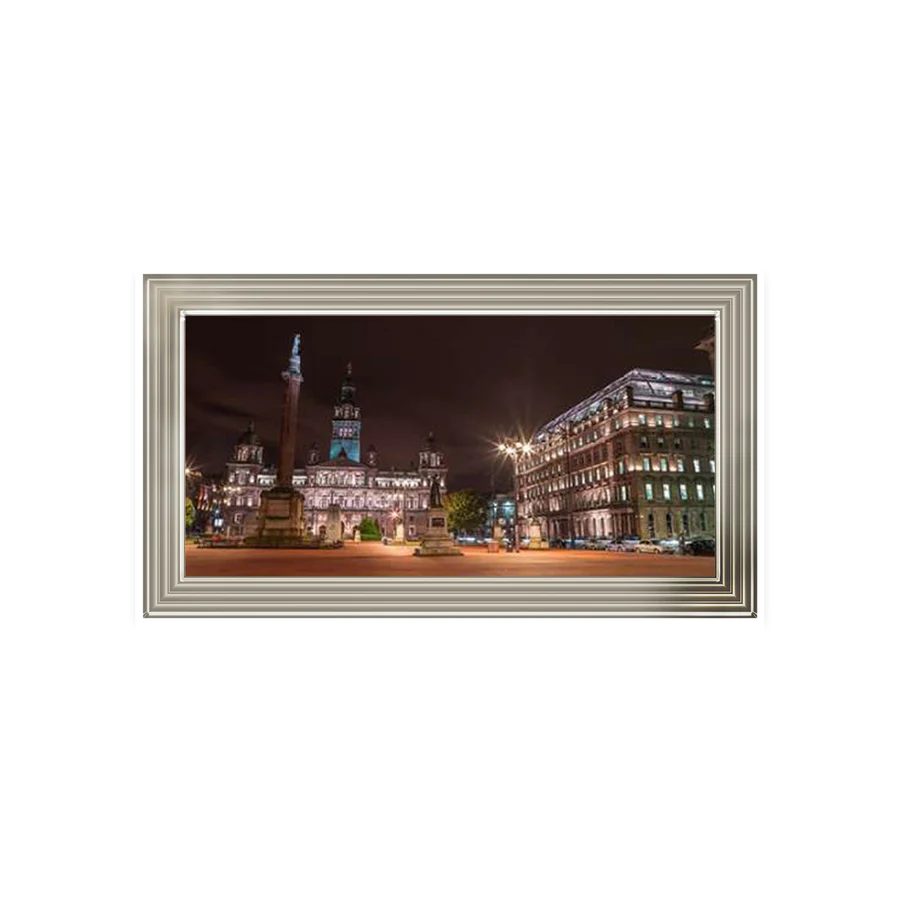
(374, 559)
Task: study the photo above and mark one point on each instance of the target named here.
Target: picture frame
(168, 300)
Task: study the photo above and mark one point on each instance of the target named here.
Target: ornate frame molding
(168, 299)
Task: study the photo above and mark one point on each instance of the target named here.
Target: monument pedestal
(280, 519)
(333, 524)
(437, 541)
(537, 542)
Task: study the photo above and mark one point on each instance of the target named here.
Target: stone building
(635, 458)
(348, 478)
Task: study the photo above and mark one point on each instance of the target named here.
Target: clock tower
(346, 423)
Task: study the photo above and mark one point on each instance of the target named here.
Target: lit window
(648, 491)
(682, 490)
(696, 465)
(646, 461)
(667, 492)
(690, 421)
(663, 464)
(700, 492)
(679, 464)
(623, 492)
(617, 424)
(642, 419)
(659, 421)
(706, 423)
(676, 421)
(712, 466)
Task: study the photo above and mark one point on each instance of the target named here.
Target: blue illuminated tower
(346, 423)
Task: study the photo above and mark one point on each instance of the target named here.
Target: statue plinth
(536, 541)
(437, 541)
(333, 524)
(280, 519)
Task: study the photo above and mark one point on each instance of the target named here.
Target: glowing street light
(514, 450)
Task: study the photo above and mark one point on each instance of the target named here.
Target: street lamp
(514, 451)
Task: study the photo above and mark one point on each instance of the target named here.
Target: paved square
(375, 559)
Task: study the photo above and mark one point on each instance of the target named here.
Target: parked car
(646, 546)
(620, 546)
(558, 543)
(669, 545)
(598, 543)
(700, 547)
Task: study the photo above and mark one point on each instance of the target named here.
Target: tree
(466, 510)
(368, 530)
(190, 514)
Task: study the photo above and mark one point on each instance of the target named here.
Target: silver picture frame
(169, 299)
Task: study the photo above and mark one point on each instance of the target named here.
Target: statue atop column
(294, 361)
(434, 500)
(281, 507)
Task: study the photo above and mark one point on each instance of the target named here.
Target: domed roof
(249, 437)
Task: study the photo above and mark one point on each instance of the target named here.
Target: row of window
(598, 527)
(640, 420)
(683, 494)
(622, 467)
(329, 479)
(610, 451)
(662, 465)
(622, 493)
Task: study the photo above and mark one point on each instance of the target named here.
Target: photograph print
(450, 446)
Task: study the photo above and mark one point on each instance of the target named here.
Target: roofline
(638, 374)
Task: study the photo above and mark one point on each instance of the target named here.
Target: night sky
(470, 379)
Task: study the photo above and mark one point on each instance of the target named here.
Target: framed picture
(449, 445)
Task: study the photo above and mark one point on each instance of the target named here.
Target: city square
(374, 559)
(576, 475)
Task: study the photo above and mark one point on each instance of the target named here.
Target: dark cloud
(470, 379)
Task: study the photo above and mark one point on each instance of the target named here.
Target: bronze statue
(434, 501)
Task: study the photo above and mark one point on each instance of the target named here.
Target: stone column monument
(333, 523)
(437, 541)
(281, 507)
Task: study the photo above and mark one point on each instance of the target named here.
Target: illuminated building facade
(635, 458)
(358, 486)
